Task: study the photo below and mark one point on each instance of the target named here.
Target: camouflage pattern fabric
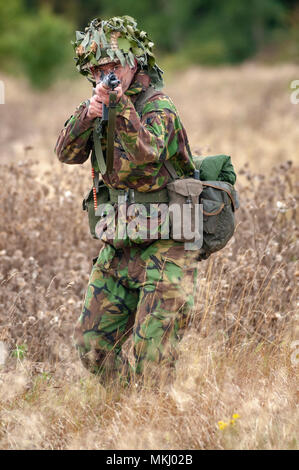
(144, 288)
(115, 40)
(148, 293)
(141, 143)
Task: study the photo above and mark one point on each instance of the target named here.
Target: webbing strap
(132, 195)
(170, 168)
(98, 147)
(143, 97)
(111, 130)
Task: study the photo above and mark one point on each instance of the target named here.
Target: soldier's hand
(103, 92)
(95, 108)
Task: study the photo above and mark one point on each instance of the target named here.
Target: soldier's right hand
(95, 108)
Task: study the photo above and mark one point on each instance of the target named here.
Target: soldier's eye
(94, 70)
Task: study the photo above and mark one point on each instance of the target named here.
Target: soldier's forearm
(74, 154)
(74, 142)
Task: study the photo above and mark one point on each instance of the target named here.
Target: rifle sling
(111, 130)
(170, 168)
(98, 147)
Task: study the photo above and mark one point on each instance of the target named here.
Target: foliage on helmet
(117, 39)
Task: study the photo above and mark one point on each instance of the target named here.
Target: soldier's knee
(91, 357)
(92, 360)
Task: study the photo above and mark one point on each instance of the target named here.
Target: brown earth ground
(237, 376)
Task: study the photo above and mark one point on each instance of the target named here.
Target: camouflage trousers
(147, 292)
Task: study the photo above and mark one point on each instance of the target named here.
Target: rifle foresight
(110, 80)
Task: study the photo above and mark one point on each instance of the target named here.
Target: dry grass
(236, 355)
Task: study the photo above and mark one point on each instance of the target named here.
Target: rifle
(109, 81)
(109, 114)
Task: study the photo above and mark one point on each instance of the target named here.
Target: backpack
(219, 202)
(216, 200)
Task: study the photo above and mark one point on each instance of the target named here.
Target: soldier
(143, 287)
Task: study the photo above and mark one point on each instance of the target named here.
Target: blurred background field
(228, 68)
(35, 34)
(243, 111)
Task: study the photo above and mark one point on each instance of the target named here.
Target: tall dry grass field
(236, 384)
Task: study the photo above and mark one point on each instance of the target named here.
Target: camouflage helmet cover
(115, 40)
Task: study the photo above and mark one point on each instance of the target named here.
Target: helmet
(115, 40)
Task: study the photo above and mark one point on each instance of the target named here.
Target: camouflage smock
(141, 143)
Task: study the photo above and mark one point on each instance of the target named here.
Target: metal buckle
(122, 196)
(126, 195)
(131, 195)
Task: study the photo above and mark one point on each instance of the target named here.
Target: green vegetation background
(35, 35)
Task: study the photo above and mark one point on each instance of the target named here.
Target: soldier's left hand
(103, 92)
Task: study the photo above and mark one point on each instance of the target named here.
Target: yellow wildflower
(236, 416)
(222, 425)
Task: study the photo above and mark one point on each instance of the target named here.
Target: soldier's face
(124, 74)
